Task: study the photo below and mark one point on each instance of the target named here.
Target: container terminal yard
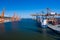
(29, 20)
(16, 28)
(8, 19)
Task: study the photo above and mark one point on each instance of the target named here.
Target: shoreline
(6, 21)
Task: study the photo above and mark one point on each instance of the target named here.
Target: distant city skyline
(24, 8)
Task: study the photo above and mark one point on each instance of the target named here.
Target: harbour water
(26, 29)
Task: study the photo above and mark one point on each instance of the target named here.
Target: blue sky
(24, 8)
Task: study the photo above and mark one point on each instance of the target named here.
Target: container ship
(49, 20)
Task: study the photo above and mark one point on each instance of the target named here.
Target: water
(26, 29)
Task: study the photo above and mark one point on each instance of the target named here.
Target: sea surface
(26, 29)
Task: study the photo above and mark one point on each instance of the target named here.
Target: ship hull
(55, 28)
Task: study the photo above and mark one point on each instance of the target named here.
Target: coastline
(6, 21)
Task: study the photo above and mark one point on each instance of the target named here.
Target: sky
(24, 8)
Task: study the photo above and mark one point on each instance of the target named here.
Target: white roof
(52, 12)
